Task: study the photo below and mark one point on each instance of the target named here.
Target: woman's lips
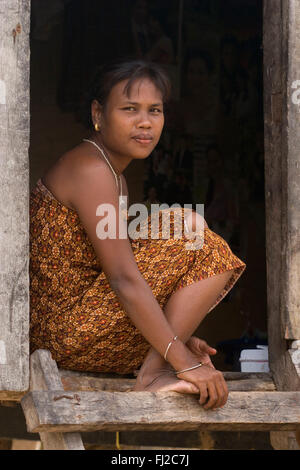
(143, 141)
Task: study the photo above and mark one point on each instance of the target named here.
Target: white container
(255, 360)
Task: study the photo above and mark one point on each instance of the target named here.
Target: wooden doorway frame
(14, 197)
(281, 45)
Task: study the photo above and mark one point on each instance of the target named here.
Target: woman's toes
(186, 387)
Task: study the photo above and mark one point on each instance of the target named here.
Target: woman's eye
(152, 110)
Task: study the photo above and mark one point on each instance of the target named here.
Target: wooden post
(14, 197)
(44, 375)
(291, 173)
(282, 189)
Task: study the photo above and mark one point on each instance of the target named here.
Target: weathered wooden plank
(118, 411)
(291, 133)
(289, 440)
(236, 381)
(272, 38)
(80, 381)
(6, 395)
(284, 440)
(44, 376)
(14, 196)
(44, 373)
(278, 158)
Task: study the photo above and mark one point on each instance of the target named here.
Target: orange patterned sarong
(75, 314)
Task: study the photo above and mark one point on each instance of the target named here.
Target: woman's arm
(93, 185)
(139, 303)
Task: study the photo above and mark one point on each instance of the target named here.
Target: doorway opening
(212, 148)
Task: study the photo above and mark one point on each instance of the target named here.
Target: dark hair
(110, 74)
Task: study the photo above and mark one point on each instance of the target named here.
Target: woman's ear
(96, 112)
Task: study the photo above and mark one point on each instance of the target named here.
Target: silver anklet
(189, 368)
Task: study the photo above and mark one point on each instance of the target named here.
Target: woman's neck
(115, 161)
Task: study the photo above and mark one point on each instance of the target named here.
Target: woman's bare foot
(164, 381)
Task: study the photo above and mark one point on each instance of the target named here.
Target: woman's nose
(144, 120)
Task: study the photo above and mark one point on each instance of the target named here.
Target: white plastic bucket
(255, 360)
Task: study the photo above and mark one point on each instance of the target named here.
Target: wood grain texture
(117, 411)
(273, 90)
(14, 196)
(291, 172)
(282, 225)
(8, 395)
(236, 381)
(44, 376)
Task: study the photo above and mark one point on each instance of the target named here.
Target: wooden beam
(88, 382)
(236, 381)
(281, 160)
(8, 395)
(14, 196)
(117, 411)
(291, 171)
(273, 90)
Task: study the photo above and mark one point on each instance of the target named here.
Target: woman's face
(131, 126)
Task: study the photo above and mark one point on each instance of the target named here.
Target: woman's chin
(141, 155)
(142, 150)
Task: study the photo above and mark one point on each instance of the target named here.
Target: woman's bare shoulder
(59, 178)
(82, 156)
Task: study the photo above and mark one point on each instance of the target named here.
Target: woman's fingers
(221, 395)
(216, 392)
(223, 384)
(203, 393)
(211, 385)
(222, 391)
(199, 345)
(204, 347)
(213, 397)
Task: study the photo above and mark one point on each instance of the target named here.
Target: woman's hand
(209, 381)
(201, 350)
(211, 385)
